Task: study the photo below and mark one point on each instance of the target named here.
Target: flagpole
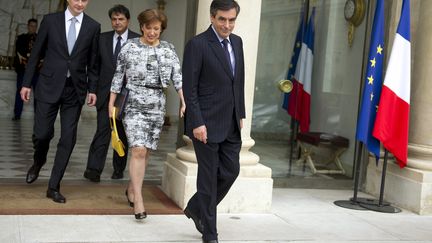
(382, 207)
(292, 137)
(354, 202)
(394, 104)
(294, 123)
(357, 173)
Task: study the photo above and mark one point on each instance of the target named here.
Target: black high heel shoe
(131, 204)
(140, 216)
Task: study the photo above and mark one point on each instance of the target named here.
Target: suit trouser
(218, 167)
(18, 107)
(43, 132)
(101, 142)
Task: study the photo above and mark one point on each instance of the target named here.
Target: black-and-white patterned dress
(148, 71)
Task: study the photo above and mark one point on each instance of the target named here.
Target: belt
(152, 87)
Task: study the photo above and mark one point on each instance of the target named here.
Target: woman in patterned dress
(148, 64)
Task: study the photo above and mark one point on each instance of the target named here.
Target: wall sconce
(161, 4)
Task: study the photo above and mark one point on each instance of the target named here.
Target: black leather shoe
(92, 175)
(197, 221)
(56, 196)
(210, 241)
(117, 175)
(33, 173)
(16, 118)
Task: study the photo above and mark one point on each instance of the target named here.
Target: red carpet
(81, 198)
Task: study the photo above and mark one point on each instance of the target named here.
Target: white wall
(337, 73)
(336, 76)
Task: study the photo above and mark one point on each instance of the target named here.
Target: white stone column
(420, 136)
(252, 190)
(411, 187)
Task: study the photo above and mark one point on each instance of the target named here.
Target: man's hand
(200, 133)
(91, 99)
(22, 60)
(25, 94)
(241, 123)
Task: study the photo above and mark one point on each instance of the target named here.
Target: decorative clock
(354, 12)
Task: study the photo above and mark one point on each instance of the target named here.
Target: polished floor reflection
(16, 155)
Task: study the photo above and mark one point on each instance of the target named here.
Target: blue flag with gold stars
(373, 83)
(295, 56)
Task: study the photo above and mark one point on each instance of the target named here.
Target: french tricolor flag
(392, 121)
(300, 97)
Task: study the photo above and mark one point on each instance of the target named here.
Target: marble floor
(296, 215)
(16, 154)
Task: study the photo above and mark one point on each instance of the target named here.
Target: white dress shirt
(124, 37)
(68, 17)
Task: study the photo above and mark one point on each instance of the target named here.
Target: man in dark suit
(68, 42)
(23, 46)
(109, 47)
(213, 84)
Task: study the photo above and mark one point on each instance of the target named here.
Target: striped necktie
(116, 50)
(227, 54)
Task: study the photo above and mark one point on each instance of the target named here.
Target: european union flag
(295, 55)
(373, 83)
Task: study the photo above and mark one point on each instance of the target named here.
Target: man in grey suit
(109, 46)
(68, 42)
(213, 84)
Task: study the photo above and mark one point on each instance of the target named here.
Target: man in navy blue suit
(107, 58)
(213, 84)
(24, 45)
(68, 42)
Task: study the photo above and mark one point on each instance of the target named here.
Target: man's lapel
(218, 50)
(82, 32)
(62, 30)
(109, 46)
(129, 34)
(236, 48)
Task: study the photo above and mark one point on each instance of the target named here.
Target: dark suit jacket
(105, 65)
(23, 46)
(51, 43)
(211, 92)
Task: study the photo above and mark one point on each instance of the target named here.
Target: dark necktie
(116, 50)
(227, 54)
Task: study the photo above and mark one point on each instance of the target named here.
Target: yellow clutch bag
(116, 143)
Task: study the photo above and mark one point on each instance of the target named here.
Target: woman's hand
(110, 110)
(182, 103)
(182, 109)
(113, 97)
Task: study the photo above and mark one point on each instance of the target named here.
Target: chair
(310, 141)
